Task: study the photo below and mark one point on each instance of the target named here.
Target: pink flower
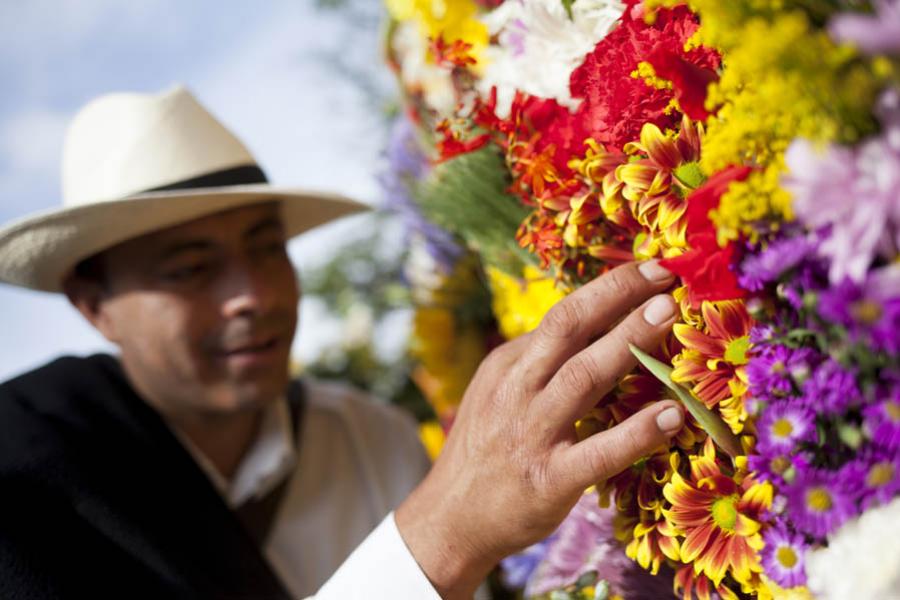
(853, 193)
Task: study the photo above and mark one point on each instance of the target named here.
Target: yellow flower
(432, 435)
(719, 516)
(520, 303)
(782, 78)
(448, 354)
(448, 19)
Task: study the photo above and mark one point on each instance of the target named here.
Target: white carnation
(419, 74)
(862, 560)
(539, 46)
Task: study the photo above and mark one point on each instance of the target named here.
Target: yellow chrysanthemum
(448, 354)
(519, 304)
(448, 19)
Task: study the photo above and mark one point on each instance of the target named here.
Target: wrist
(453, 565)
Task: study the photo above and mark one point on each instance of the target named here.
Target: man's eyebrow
(266, 225)
(182, 247)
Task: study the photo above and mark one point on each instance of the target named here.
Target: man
(191, 467)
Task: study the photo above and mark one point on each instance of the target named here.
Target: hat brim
(38, 251)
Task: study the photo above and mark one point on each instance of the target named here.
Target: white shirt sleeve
(381, 567)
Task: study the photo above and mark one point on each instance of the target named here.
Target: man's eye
(187, 272)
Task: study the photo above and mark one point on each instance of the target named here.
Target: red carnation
(616, 105)
(707, 268)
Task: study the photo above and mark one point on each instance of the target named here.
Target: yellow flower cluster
(519, 304)
(782, 78)
(448, 19)
(448, 353)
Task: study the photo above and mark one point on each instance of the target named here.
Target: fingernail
(653, 271)
(660, 309)
(669, 420)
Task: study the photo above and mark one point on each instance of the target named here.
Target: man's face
(205, 312)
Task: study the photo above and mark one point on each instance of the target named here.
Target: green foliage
(712, 423)
(468, 196)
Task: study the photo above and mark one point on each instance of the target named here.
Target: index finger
(585, 314)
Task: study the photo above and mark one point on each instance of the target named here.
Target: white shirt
(357, 461)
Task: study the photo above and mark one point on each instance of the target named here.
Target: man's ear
(89, 297)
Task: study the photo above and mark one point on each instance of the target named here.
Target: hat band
(242, 175)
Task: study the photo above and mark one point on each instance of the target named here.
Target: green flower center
(881, 474)
(780, 464)
(818, 499)
(736, 350)
(893, 411)
(724, 512)
(866, 311)
(782, 428)
(778, 366)
(786, 557)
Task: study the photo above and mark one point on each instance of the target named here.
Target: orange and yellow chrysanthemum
(719, 516)
(713, 359)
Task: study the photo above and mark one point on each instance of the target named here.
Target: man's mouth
(252, 347)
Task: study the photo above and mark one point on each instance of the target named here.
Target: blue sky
(275, 72)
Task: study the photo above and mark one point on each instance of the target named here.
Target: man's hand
(512, 468)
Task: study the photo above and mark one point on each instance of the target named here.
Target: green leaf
(567, 4)
(712, 423)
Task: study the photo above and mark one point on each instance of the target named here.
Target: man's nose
(245, 291)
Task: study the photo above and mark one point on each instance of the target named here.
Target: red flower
(706, 268)
(451, 143)
(616, 105)
(689, 80)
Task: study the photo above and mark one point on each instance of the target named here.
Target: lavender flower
(882, 423)
(777, 468)
(819, 501)
(854, 194)
(406, 165)
(586, 542)
(784, 556)
(872, 34)
(870, 312)
(779, 257)
(832, 388)
(784, 425)
(772, 369)
(518, 568)
(876, 474)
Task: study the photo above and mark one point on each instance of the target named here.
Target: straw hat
(137, 163)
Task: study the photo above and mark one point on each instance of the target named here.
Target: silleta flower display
(753, 147)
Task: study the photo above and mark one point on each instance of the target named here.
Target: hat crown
(126, 143)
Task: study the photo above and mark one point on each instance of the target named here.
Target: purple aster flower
(779, 257)
(585, 541)
(858, 231)
(870, 312)
(777, 468)
(406, 165)
(832, 388)
(819, 501)
(882, 423)
(774, 369)
(876, 474)
(784, 556)
(518, 568)
(783, 426)
(872, 34)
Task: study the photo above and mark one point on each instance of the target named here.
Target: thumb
(607, 453)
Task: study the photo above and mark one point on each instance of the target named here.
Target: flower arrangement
(753, 147)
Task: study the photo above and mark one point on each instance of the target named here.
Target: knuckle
(599, 464)
(564, 319)
(578, 375)
(621, 281)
